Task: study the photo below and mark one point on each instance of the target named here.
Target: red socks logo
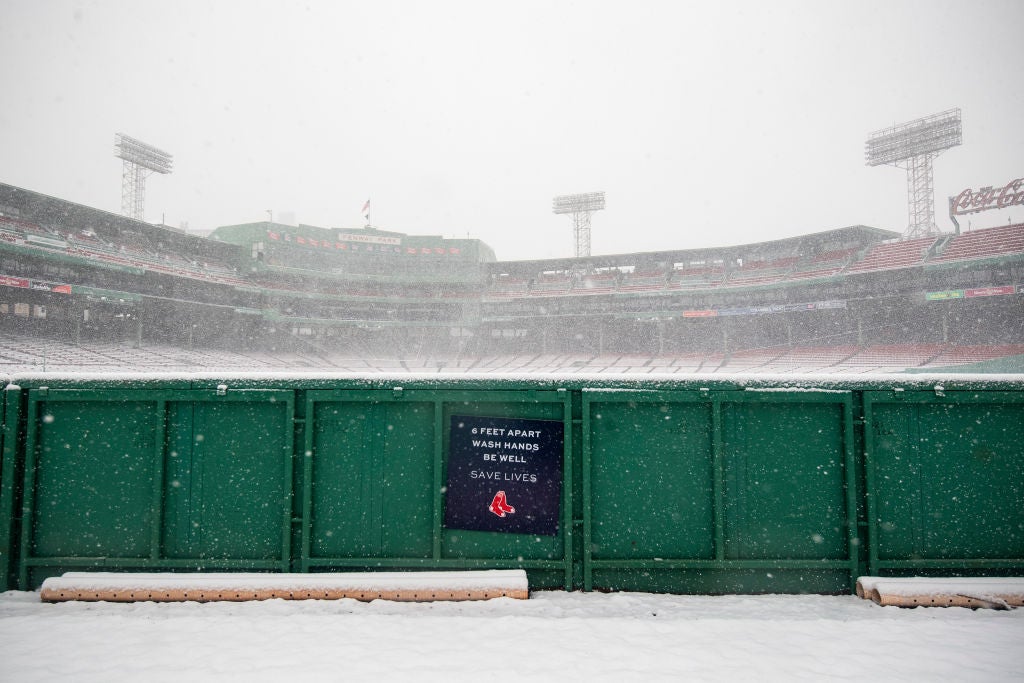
(500, 506)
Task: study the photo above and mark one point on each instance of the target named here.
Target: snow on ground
(553, 636)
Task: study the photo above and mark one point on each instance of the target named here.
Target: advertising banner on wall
(8, 281)
(504, 474)
(944, 295)
(37, 285)
(970, 293)
(990, 291)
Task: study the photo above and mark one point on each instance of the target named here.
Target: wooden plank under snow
(237, 587)
(989, 592)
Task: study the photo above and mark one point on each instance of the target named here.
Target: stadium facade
(854, 298)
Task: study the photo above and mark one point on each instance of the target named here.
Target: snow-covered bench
(237, 587)
(991, 592)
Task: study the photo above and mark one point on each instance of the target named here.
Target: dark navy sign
(504, 474)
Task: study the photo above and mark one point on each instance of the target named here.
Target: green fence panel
(156, 479)
(650, 478)
(93, 478)
(705, 491)
(228, 466)
(945, 473)
(375, 469)
(785, 480)
(372, 479)
(10, 402)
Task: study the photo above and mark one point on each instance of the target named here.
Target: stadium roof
(854, 234)
(65, 214)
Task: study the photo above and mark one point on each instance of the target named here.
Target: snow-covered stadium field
(552, 636)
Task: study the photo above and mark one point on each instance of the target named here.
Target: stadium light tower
(913, 145)
(580, 206)
(139, 160)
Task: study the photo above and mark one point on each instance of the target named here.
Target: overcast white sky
(704, 123)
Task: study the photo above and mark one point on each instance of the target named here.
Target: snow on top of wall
(493, 579)
(919, 585)
(758, 381)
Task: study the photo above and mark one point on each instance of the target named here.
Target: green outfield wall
(690, 486)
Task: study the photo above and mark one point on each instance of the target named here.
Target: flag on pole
(366, 210)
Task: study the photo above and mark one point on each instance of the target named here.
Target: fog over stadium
(705, 125)
(350, 340)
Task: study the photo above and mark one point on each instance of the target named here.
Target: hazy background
(705, 124)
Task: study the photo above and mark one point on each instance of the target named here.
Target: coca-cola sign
(969, 201)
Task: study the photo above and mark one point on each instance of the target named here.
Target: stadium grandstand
(84, 289)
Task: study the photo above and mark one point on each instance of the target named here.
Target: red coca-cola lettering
(968, 201)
